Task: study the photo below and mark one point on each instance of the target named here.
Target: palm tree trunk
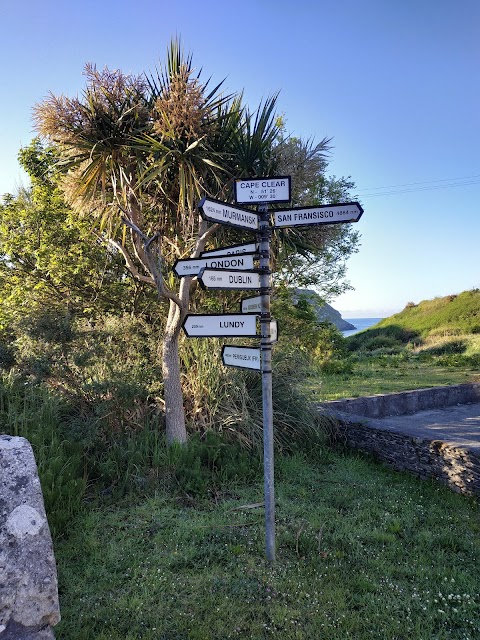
(172, 387)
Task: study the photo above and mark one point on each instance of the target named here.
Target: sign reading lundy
(320, 214)
(217, 211)
(227, 324)
(193, 266)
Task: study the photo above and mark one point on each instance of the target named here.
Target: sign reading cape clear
(217, 211)
(193, 266)
(320, 214)
(223, 279)
(227, 324)
(234, 249)
(243, 357)
(257, 190)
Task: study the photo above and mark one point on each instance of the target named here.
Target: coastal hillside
(441, 319)
(323, 311)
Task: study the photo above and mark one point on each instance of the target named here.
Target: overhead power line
(426, 185)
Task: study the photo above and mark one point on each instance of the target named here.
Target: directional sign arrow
(257, 190)
(227, 324)
(243, 357)
(193, 266)
(223, 279)
(224, 213)
(320, 214)
(251, 305)
(234, 249)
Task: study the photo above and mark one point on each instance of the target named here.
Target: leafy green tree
(50, 259)
(314, 256)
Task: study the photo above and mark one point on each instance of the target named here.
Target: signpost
(218, 211)
(260, 190)
(321, 214)
(235, 249)
(193, 266)
(232, 268)
(242, 357)
(215, 326)
(223, 279)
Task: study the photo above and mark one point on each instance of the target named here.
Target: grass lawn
(387, 375)
(362, 553)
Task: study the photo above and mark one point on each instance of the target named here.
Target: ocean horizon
(360, 324)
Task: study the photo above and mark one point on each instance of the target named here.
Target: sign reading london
(258, 190)
(227, 324)
(319, 214)
(193, 266)
(217, 211)
(223, 279)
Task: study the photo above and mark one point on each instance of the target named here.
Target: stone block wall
(29, 605)
(456, 467)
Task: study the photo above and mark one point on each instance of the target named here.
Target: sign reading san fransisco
(224, 213)
(319, 214)
(258, 190)
(227, 324)
(193, 266)
(224, 279)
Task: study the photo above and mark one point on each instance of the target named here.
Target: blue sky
(395, 84)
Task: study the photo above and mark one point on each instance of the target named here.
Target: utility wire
(395, 189)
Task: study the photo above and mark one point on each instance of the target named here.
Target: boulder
(29, 605)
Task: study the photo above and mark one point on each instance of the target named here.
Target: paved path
(458, 425)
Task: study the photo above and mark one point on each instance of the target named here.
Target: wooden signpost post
(233, 268)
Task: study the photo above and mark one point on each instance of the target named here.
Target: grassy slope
(436, 342)
(452, 315)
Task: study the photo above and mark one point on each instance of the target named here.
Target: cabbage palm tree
(140, 152)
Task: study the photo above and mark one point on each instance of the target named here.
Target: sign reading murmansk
(217, 211)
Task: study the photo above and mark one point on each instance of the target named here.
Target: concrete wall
(405, 402)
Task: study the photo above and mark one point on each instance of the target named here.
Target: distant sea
(361, 324)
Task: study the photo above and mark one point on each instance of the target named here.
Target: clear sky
(395, 84)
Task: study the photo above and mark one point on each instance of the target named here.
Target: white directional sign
(320, 214)
(217, 211)
(218, 279)
(274, 331)
(251, 305)
(227, 324)
(243, 357)
(257, 190)
(235, 249)
(193, 266)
